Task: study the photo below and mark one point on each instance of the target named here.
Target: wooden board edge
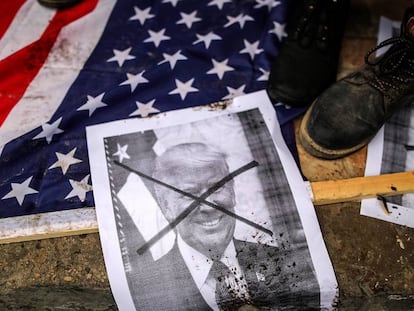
(48, 225)
(356, 189)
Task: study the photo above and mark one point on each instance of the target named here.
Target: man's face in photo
(206, 229)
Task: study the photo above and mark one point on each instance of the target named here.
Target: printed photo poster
(205, 209)
(392, 151)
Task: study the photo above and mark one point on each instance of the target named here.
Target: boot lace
(396, 66)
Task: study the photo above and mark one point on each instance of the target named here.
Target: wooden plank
(355, 189)
(48, 225)
(82, 221)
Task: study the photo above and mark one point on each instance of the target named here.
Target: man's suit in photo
(273, 277)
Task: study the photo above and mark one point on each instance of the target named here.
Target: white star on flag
(189, 19)
(269, 3)
(157, 37)
(173, 2)
(79, 188)
(241, 19)
(93, 103)
(183, 88)
(121, 152)
(220, 68)
(264, 76)
(279, 30)
(251, 48)
(19, 191)
(219, 3)
(144, 109)
(207, 39)
(235, 92)
(65, 160)
(172, 59)
(121, 56)
(49, 130)
(134, 80)
(141, 15)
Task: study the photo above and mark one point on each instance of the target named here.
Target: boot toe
(342, 120)
(299, 75)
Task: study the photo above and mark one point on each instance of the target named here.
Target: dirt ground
(373, 260)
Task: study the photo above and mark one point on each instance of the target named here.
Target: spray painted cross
(197, 201)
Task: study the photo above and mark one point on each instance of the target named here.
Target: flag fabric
(105, 60)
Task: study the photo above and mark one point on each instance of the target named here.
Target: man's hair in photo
(171, 162)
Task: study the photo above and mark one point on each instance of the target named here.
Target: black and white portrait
(206, 219)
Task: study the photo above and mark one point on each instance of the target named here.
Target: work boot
(308, 60)
(350, 112)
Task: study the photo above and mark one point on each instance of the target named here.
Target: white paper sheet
(271, 195)
(389, 155)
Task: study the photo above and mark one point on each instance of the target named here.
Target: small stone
(68, 279)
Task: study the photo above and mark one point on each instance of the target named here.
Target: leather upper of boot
(351, 111)
(308, 60)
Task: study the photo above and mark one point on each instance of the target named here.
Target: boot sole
(317, 150)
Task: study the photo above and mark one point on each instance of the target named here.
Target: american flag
(105, 60)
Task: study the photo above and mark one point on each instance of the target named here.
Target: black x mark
(197, 200)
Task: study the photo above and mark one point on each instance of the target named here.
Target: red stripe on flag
(20, 68)
(8, 10)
